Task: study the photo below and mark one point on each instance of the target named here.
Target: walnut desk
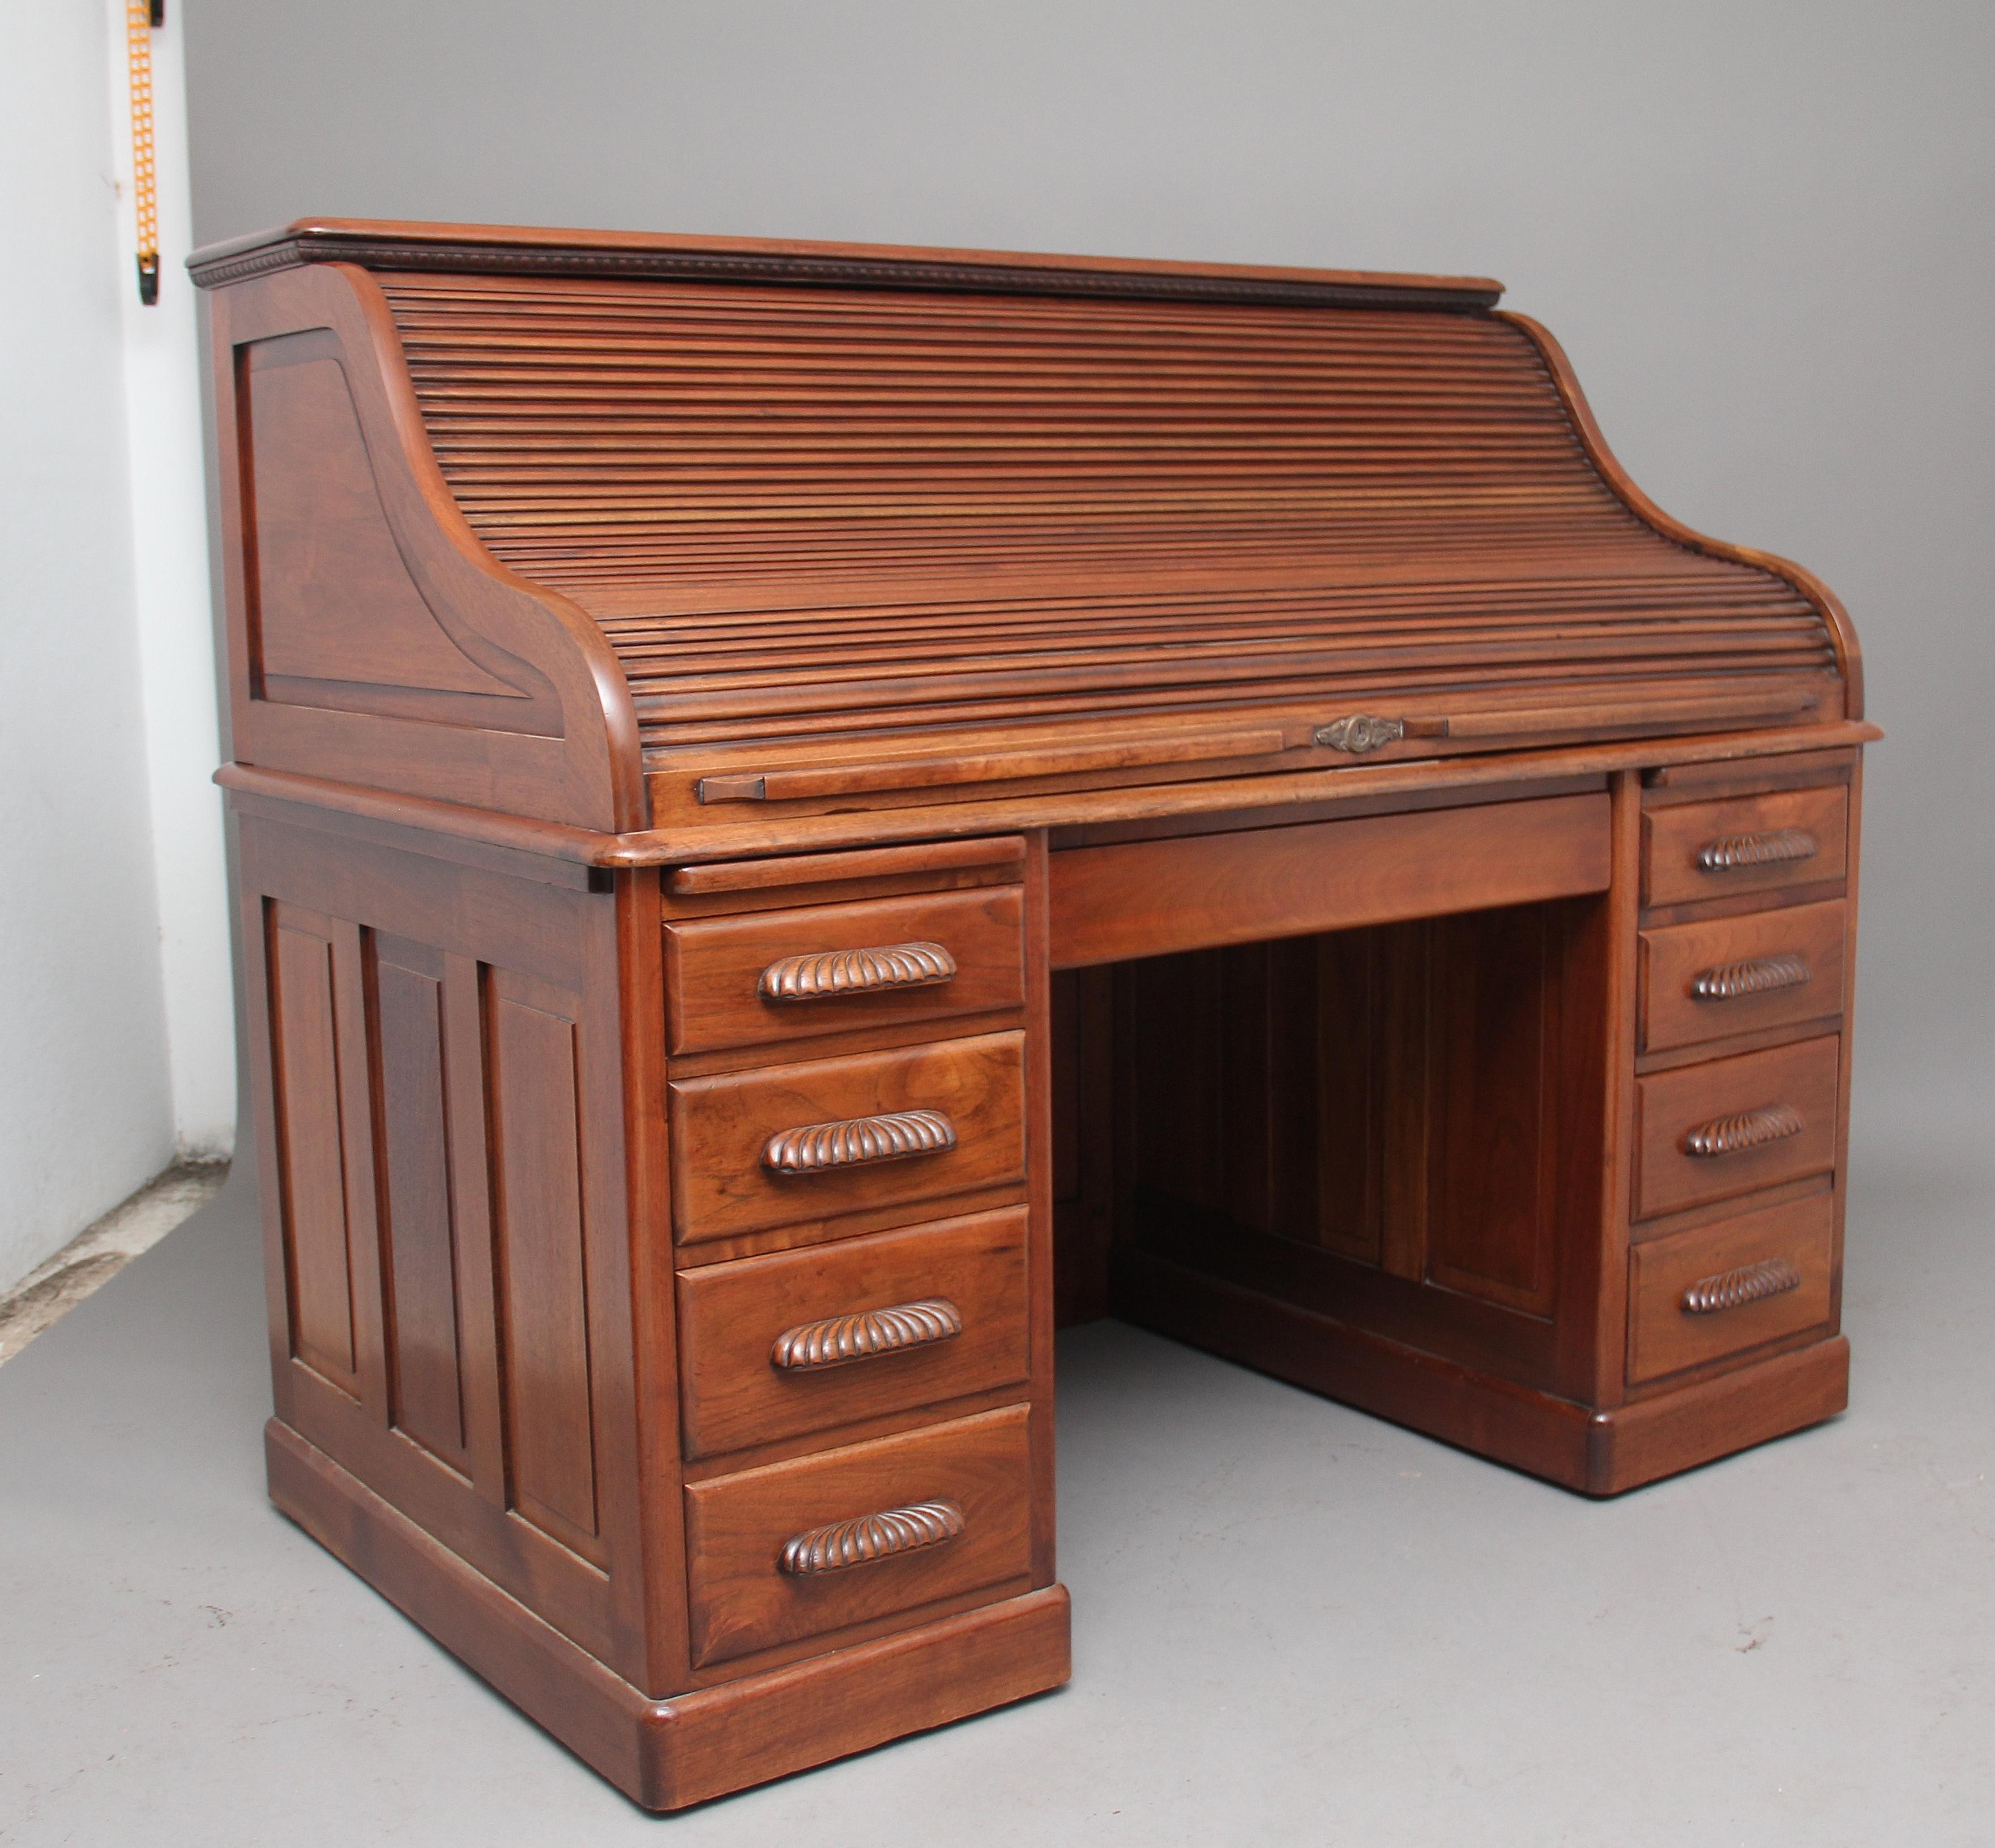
(807, 812)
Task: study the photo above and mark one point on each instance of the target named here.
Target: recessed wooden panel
(311, 1148)
(1714, 1264)
(1725, 975)
(1799, 1078)
(714, 967)
(426, 1393)
(722, 1129)
(1414, 1096)
(1149, 898)
(1349, 1091)
(334, 599)
(736, 1526)
(538, 1210)
(733, 1393)
(1490, 1229)
(1676, 840)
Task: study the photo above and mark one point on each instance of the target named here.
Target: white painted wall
(172, 604)
(115, 1044)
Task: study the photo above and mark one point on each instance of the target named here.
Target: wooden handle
(1761, 975)
(840, 1339)
(1733, 1289)
(813, 1148)
(871, 1537)
(824, 974)
(1732, 852)
(1631, 714)
(806, 781)
(1748, 1129)
(1361, 732)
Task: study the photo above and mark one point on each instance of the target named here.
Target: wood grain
(738, 1525)
(1150, 898)
(1765, 969)
(1665, 1337)
(721, 1126)
(1800, 1079)
(731, 1314)
(1676, 836)
(716, 968)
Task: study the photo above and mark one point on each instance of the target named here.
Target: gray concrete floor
(1292, 1623)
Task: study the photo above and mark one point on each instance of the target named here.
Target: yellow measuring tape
(140, 19)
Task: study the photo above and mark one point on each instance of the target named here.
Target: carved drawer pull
(825, 974)
(1733, 1289)
(813, 1148)
(1730, 852)
(1748, 1129)
(840, 1339)
(1762, 975)
(871, 1537)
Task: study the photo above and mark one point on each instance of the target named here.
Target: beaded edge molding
(824, 272)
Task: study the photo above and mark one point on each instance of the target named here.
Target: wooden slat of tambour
(814, 512)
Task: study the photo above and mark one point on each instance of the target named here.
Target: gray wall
(1764, 229)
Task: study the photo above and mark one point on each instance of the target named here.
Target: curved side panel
(1842, 634)
(336, 618)
(372, 638)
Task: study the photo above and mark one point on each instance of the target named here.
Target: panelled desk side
(705, 1038)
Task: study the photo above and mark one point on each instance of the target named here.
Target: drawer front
(1703, 850)
(800, 1341)
(930, 1514)
(1725, 975)
(1724, 1288)
(782, 975)
(797, 1144)
(1712, 1131)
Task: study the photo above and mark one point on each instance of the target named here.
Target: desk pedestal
(663, 1266)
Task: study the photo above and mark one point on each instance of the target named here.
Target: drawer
(1738, 974)
(1701, 850)
(797, 1144)
(776, 1554)
(800, 1341)
(1724, 1288)
(1710, 1131)
(783, 975)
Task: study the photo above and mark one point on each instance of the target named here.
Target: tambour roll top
(865, 527)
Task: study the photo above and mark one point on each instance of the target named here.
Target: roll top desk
(808, 814)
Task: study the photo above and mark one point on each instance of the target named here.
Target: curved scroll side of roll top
(892, 1531)
(812, 1148)
(827, 975)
